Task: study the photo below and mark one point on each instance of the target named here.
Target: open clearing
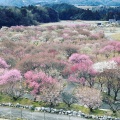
(116, 36)
(111, 32)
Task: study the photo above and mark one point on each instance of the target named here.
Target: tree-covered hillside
(34, 15)
(70, 12)
(31, 15)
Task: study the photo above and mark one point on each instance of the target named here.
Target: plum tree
(90, 97)
(11, 83)
(43, 87)
(3, 63)
(82, 69)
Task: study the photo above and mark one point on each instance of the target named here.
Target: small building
(112, 20)
(98, 24)
(118, 22)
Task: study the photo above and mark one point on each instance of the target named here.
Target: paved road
(27, 115)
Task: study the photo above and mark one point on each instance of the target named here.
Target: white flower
(100, 66)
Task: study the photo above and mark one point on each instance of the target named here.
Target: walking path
(28, 115)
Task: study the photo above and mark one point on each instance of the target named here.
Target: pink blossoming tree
(82, 70)
(44, 87)
(11, 83)
(3, 63)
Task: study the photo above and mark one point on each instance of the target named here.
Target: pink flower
(3, 63)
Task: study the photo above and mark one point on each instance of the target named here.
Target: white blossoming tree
(101, 66)
(90, 97)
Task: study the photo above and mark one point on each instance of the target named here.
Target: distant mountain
(83, 2)
(20, 3)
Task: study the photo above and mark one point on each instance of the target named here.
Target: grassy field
(112, 32)
(76, 107)
(116, 36)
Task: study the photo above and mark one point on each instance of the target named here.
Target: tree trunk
(91, 110)
(15, 98)
(114, 111)
(101, 87)
(51, 105)
(115, 97)
(69, 105)
(109, 91)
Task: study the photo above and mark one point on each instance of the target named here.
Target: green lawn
(6, 99)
